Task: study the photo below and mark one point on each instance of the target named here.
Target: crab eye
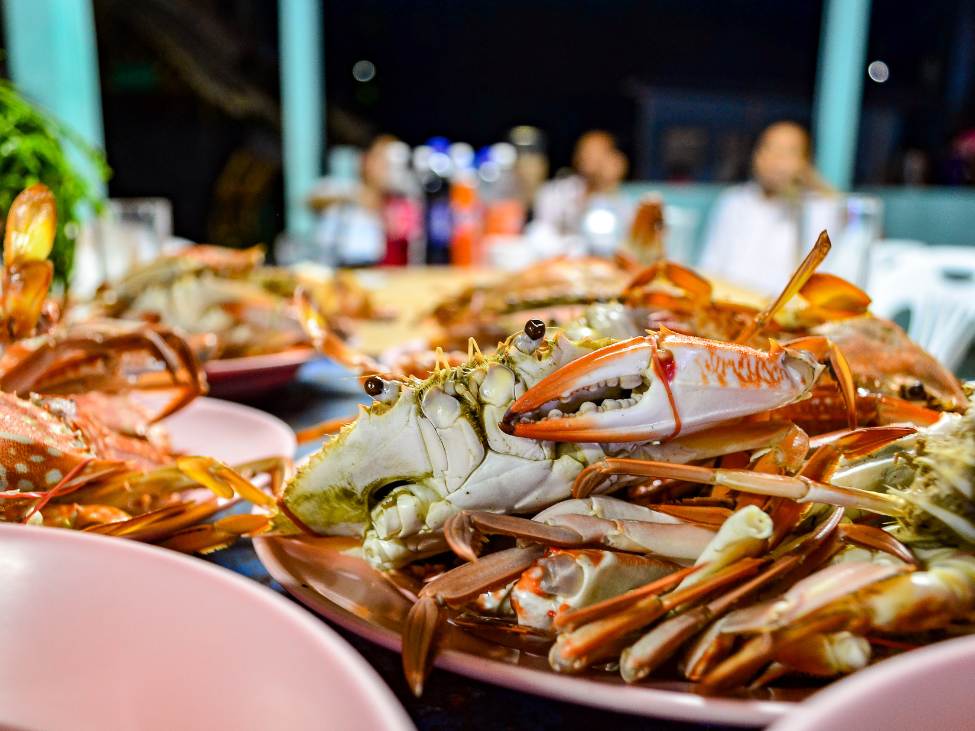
(535, 329)
(915, 391)
(374, 386)
(385, 392)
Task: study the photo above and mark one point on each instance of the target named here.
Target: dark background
(191, 98)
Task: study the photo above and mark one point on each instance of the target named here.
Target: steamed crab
(509, 433)
(230, 303)
(76, 451)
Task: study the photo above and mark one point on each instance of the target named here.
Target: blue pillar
(839, 87)
(302, 105)
(52, 57)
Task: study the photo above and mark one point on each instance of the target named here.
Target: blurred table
(412, 292)
(451, 702)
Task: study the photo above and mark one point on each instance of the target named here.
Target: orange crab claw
(27, 242)
(657, 386)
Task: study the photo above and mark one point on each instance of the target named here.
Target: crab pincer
(659, 386)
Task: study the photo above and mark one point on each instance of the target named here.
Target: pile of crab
(669, 505)
(79, 448)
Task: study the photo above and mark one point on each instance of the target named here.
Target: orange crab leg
(800, 489)
(575, 618)
(455, 589)
(601, 638)
(787, 513)
(808, 266)
(824, 348)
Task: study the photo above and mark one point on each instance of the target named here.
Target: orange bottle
(465, 208)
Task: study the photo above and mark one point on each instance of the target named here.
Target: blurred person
(588, 203)
(753, 235)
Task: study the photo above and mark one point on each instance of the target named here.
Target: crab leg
(604, 638)
(796, 283)
(455, 589)
(824, 348)
(824, 655)
(787, 513)
(665, 536)
(654, 648)
(657, 646)
(785, 442)
(46, 369)
(800, 489)
(843, 597)
(206, 538)
(851, 597)
(761, 649)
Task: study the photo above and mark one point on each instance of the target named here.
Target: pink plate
(930, 688)
(326, 575)
(229, 432)
(101, 634)
(243, 378)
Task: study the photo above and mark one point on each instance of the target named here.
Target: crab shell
(37, 449)
(884, 359)
(436, 446)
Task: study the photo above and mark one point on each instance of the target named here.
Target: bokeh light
(878, 71)
(363, 71)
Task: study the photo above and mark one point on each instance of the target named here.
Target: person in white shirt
(753, 234)
(589, 203)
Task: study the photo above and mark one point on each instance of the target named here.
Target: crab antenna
(805, 270)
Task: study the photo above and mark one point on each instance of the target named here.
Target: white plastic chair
(936, 284)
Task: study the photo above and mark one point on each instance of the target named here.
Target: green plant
(33, 150)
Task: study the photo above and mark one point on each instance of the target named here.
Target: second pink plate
(230, 432)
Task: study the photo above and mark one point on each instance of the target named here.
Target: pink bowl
(103, 633)
(930, 688)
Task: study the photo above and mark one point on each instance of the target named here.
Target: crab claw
(656, 386)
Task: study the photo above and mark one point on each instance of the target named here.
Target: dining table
(324, 390)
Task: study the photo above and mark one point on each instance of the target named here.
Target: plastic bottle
(434, 168)
(465, 208)
(402, 210)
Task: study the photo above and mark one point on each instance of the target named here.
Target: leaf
(33, 150)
